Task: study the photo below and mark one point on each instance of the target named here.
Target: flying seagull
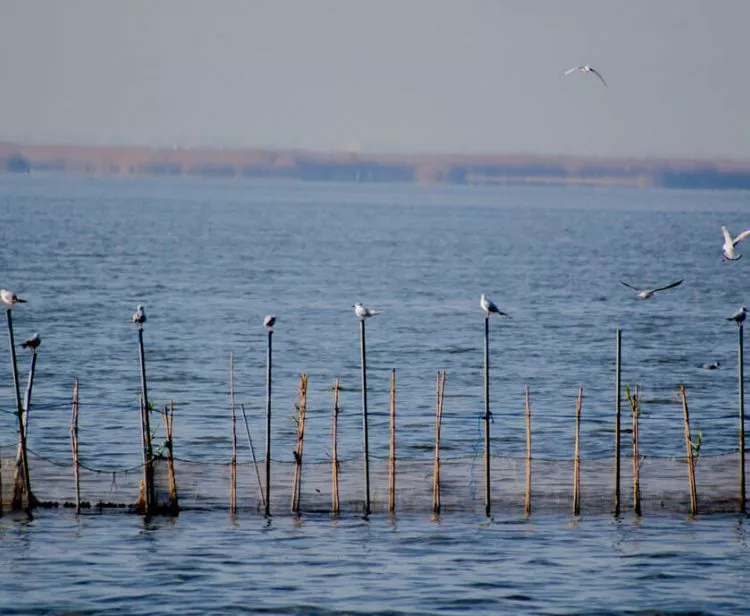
(646, 293)
(33, 342)
(10, 298)
(364, 313)
(585, 68)
(729, 244)
(489, 307)
(739, 316)
(269, 321)
(139, 318)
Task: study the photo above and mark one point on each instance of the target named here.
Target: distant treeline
(359, 167)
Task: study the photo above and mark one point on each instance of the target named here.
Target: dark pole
(148, 453)
(741, 370)
(487, 497)
(268, 422)
(19, 410)
(365, 436)
(618, 345)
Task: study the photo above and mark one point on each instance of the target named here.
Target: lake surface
(210, 259)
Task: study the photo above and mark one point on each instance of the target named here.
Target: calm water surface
(209, 259)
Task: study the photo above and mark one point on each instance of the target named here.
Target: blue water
(210, 259)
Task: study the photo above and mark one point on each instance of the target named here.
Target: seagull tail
(20, 301)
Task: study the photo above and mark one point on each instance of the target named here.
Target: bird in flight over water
(364, 313)
(646, 293)
(585, 68)
(729, 244)
(10, 298)
(490, 307)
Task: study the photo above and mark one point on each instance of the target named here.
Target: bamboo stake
(74, 445)
(527, 503)
(487, 495)
(148, 469)
(365, 437)
(233, 469)
(252, 452)
(689, 450)
(438, 422)
(618, 357)
(335, 504)
(32, 502)
(168, 423)
(635, 409)
(268, 421)
(300, 420)
(741, 379)
(577, 457)
(392, 453)
(16, 503)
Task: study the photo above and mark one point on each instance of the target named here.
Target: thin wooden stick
(618, 356)
(300, 419)
(577, 457)
(335, 504)
(16, 503)
(148, 453)
(392, 453)
(741, 379)
(168, 423)
(365, 435)
(74, 444)
(438, 422)
(269, 365)
(689, 451)
(635, 407)
(233, 470)
(487, 415)
(252, 452)
(527, 502)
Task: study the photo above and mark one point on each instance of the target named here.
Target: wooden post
(168, 423)
(335, 504)
(577, 457)
(635, 409)
(269, 365)
(487, 454)
(365, 437)
(618, 356)
(148, 469)
(527, 502)
(17, 497)
(689, 451)
(392, 452)
(233, 469)
(438, 422)
(74, 444)
(32, 502)
(741, 379)
(300, 421)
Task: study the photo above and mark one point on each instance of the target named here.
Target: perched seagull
(646, 293)
(585, 68)
(10, 298)
(139, 318)
(729, 244)
(269, 321)
(489, 307)
(712, 366)
(364, 313)
(739, 316)
(33, 342)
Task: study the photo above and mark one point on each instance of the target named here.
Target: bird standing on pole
(139, 318)
(10, 298)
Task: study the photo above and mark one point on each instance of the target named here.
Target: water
(210, 259)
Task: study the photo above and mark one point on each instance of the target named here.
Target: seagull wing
(572, 70)
(740, 237)
(598, 74)
(727, 237)
(671, 285)
(630, 286)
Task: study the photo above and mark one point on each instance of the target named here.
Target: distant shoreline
(484, 169)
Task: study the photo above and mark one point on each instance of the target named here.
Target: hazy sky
(381, 75)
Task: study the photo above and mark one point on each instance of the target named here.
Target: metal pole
(19, 410)
(365, 436)
(268, 422)
(740, 375)
(148, 452)
(618, 357)
(487, 496)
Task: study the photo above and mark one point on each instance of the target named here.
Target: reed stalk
(577, 457)
(392, 452)
(689, 451)
(335, 501)
(527, 500)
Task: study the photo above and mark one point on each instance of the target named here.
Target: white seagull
(10, 298)
(712, 366)
(269, 321)
(729, 244)
(139, 318)
(364, 313)
(33, 342)
(646, 293)
(489, 307)
(739, 316)
(585, 68)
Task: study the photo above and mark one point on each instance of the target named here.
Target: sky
(463, 76)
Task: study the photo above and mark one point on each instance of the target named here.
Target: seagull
(489, 307)
(269, 321)
(33, 342)
(10, 298)
(139, 318)
(646, 293)
(739, 316)
(585, 68)
(364, 313)
(729, 244)
(712, 366)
